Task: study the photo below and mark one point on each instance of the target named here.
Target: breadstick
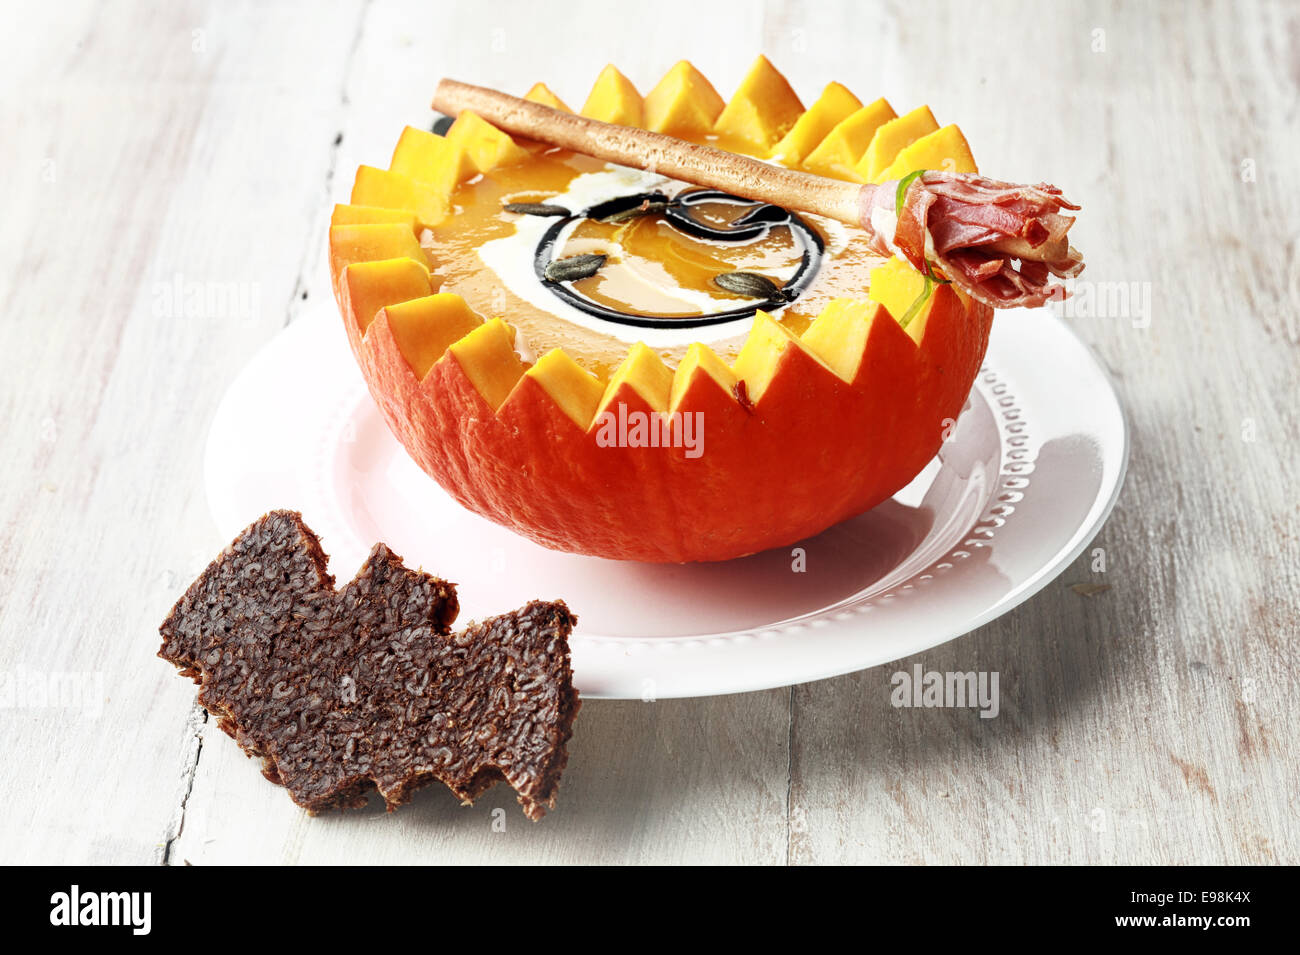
(642, 149)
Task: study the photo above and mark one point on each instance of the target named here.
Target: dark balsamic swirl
(757, 222)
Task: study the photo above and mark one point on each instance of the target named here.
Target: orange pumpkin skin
(811, 452)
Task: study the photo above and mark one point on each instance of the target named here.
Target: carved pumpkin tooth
(370, 286)
(944, 149)
(762, 110)
(614, 99)
(541, 93)
(839, 153)
(487, 147)
(683, 104)
(890, 138)
(835, 104)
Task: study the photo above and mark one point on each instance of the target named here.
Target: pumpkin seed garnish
(535, 209)
(751, 285)
(575, 267)
(647, 208)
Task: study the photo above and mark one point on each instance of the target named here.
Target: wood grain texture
(199, 147)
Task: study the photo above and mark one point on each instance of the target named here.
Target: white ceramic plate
(1029, 475)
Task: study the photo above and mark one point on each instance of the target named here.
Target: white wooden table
(156, 147)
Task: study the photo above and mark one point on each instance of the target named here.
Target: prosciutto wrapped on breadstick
(999, 242)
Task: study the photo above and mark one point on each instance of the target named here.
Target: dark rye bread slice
(341, 692)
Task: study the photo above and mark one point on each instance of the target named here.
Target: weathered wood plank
(147, 156)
